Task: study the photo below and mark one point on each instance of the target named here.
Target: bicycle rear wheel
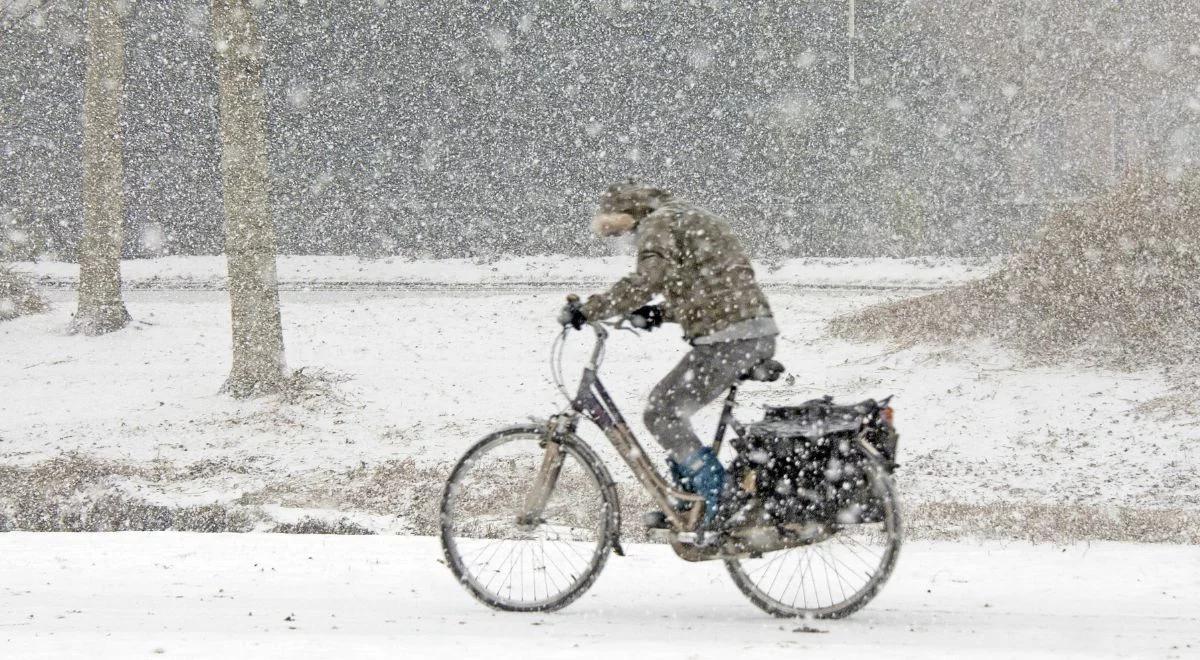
(837, 576)
(513, 563)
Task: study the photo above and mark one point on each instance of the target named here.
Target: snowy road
(131, 595)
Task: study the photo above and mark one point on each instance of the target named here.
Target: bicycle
(530, 513)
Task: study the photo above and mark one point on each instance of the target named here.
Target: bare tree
(101, 309)
(258, 358)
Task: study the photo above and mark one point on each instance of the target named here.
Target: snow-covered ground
(326, 271)
(133, 595)
(990, 446)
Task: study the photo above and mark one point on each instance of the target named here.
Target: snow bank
(1115, 278)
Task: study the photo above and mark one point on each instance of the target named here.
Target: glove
(572, 314)
(647, 317)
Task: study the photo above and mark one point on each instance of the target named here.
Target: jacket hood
(636, 199)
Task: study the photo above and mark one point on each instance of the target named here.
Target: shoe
(655, 520)
(702, 474)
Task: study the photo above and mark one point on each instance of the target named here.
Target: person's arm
(656, 249)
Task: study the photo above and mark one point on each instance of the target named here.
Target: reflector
(888, 415)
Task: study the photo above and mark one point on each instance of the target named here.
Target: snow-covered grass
(17, 295)
(177, 595)
(989, 446)
(318, 271)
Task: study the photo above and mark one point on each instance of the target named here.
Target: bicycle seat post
(726, 415)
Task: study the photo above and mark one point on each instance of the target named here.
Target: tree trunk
(101, 309)
(258, 361)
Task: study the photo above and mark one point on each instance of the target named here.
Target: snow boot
(702, 474)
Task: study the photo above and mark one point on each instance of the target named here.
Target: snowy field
(127, 430)
(142, 595)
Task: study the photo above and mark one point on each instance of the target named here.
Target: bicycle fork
(547, 475)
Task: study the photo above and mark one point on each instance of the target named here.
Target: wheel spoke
(791, 576)
(843, 583)
(537, 566)
(835, 576)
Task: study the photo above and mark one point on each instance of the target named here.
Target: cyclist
(692, 259)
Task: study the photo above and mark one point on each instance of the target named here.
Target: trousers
(703, 374)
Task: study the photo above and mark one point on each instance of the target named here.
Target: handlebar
(573, 302)
(600, 327)
(593, 364)
(601, 340)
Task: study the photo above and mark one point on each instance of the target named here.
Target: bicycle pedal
(699, 539)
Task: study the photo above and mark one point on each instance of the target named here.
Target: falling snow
(430, 125)
(988, 209)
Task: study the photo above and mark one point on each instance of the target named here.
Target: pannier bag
(801, 462)
(821, 416)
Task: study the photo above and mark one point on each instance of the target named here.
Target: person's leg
(702, 375)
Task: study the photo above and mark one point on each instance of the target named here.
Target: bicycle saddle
(767, 371)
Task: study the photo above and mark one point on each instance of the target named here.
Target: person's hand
(647, 317)
(572, 313)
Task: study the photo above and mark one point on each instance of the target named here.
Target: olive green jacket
(691, 258)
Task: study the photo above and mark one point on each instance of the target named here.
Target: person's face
(609, 225)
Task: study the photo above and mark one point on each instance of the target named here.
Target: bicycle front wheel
(514, 562)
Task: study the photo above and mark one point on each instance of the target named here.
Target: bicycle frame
(593, 402)
(757, 523)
